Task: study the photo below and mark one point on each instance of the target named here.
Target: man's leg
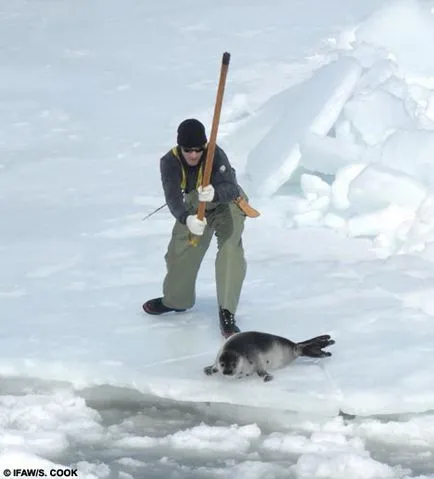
(183, 262)
(230, 266)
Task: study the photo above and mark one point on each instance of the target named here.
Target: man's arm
(171, 177)
(223, 178)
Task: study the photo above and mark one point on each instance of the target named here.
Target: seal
(253, 352)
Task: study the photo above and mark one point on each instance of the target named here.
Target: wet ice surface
(118, 433)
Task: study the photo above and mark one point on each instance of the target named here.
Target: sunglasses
(196, 150)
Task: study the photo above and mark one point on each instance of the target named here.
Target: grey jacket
(223, 179)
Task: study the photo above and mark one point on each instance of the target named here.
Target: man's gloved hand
(206, 193)
(195, 225)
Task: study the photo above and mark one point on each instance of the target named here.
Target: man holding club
(182, 175)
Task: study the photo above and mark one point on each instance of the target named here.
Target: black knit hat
(191, 133)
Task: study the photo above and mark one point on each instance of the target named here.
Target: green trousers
(183, 260)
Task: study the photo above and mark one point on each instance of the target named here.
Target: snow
(409, 46)
(328, 117)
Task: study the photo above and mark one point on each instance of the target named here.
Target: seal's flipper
(315, 353)
(210, 370)
(263, 374)
(312, 348)
(319, 341)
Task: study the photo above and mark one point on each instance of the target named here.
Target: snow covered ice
(328, 118)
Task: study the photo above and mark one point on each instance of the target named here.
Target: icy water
(118, 433)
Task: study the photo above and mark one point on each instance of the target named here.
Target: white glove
(195, 225)
(206, 193)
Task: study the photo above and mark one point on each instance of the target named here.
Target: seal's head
(228, 362)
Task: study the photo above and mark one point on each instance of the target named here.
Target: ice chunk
(377, 115)
(310, 107)
(384, 221)
(378, 186)
(340, 186)
(411, 152)
(313, 186)
(327, 154)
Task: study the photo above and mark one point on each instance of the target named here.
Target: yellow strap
(184, 176)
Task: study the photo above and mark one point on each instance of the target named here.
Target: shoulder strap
(184, 175)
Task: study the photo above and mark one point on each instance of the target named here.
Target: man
(181, 174)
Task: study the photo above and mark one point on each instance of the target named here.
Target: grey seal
(253, 352)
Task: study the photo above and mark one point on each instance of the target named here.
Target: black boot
(156, 306)
(228, 326)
